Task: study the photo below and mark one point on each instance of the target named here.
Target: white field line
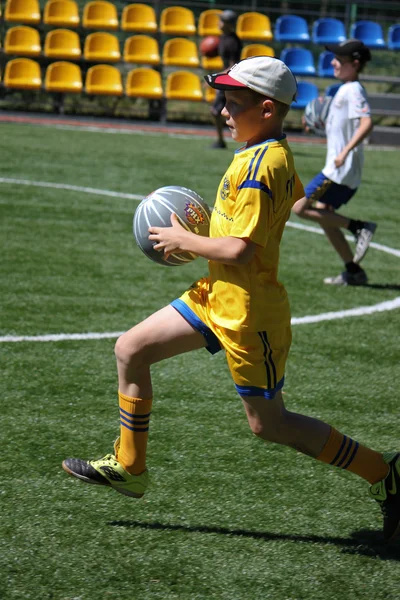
(89, 190)
(330, 316)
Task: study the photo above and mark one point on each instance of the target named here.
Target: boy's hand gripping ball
(155, 211)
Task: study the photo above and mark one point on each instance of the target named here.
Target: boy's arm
(229, 250)
(360, 134)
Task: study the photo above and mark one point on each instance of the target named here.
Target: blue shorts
(322, 189)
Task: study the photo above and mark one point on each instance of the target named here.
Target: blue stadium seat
(306, 91)
(332, 89)
(328, 31)
(368, 32)
(299, 60)
(394, 37)
(325, 68)
(291, 28)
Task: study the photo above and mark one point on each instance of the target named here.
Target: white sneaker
(347, 278)
(364, 237)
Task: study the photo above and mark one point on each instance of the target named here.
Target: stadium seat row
(23, 40)
(101, 79)
(142, 49)
(178, 20)
(65, 77)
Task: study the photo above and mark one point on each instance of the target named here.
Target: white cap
(263, 74)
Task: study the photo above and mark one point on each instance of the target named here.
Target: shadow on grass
(382, 286)
(365, 542)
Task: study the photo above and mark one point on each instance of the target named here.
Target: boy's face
(245, 117)
(344, 67)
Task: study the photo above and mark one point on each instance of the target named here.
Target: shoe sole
(106, 483)
(83, 478)
(358, 259)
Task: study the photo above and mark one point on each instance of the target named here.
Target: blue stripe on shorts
(213, 345)
(322, 189)
(244, 390)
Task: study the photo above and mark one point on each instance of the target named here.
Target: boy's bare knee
(128, 350)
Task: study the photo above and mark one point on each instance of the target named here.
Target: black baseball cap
(354, 48)
(228, 16)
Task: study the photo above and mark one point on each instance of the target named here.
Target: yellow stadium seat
(22, 11)
(212, 64)
(141, 49)
(180, 52)
(177, 20)
(104, 80)
(101, 46)
(184, 85)
(256, 50)
(22, 74)
(254, 26)
(208, 22)
(144, 83)
(139, 18)
(210, 93)
(62, 43)
(100, 15)
(63, 77)
(61, 13)
(23, 41)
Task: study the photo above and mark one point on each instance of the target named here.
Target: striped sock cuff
(134, 413)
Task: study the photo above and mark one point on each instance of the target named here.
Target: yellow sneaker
(108, 471)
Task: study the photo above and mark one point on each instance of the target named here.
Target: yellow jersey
(253, 201)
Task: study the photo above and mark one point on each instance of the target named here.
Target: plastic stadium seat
(306, 91)
(180, 52)
(328, 31)
(22, 11)
(101, 46)
(325, 69)
(368, 32)
(104, 80)
(254, 26)
(62, 43)
(144, 83)
(212, 64)
(23, 41)
(61, 13)
(210, 94)
(100, 15)
(256, 50)
(184, 85)
(332, 89)
(394, 37)
(63, 77)
(177, 20)
(208, 22)
(139, 18)
(299, 60)
(141, 49)
(22, 74)
(291, 28)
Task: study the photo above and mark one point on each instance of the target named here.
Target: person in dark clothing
(229, 50)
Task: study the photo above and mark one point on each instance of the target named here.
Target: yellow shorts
(256, 360)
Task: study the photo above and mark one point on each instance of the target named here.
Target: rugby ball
(155, 211)
(316, 113)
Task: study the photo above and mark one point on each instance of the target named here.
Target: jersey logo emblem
(225, 189)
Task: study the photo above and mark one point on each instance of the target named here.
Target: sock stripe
(134, 415)
(138, 429)
(352, 457)
(134, 422)
(345, 453)
(340, 450)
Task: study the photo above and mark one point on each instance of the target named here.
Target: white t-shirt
(348, 105)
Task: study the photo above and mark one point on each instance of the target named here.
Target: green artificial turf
(226, 516)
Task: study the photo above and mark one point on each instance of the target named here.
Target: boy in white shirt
(348, 124)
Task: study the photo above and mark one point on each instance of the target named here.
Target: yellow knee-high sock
(345, 453)
(135, 419)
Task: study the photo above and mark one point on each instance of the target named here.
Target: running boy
(348, 124)
(240, 307)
